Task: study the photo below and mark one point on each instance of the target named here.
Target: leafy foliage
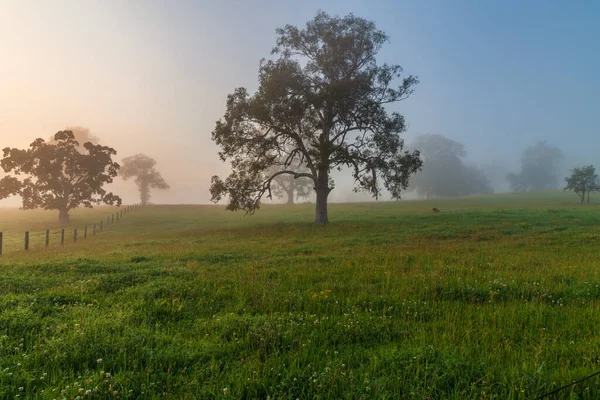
(444, 173)
(146, 176)
(583, 180)
(540, 166)
(82, 136)
(320, 104)
(59, 176)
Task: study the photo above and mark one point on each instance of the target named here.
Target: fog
(152, 77)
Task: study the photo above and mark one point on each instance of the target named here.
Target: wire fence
(32, 240)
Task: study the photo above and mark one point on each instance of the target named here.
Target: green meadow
(495, 297)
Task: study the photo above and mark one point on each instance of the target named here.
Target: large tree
(540, 169)
(146, 176)
(444, 173)
(59, 176)
(583, 180)
(321, 104)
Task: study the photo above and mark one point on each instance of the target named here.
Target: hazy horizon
(152, 77)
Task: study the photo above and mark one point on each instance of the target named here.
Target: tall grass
(494, 297)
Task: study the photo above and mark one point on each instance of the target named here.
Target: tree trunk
(322, 189)
(144, 193)
(290, 195)
(63, 215)
(589, 196)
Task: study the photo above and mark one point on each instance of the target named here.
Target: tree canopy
(320, 104)
(82, 136)
(146, 176)
(444, 172)
(583, 180)
(540, 169)
(58, 176)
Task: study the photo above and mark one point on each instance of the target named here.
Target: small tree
(291, 187)
(583, 180)
(321, 104)
(146, 176)
(59, 176)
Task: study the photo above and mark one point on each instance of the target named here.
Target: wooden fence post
(62, 237)
(85, 232)
(26, 240)
(1, 243)
(75, 235)
(47, 237)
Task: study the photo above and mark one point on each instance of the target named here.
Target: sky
(152, 76)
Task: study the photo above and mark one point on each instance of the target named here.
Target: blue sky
(152, 76)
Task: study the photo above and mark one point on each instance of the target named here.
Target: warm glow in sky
(109, 67)
(152, 76)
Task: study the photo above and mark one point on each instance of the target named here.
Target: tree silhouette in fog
(59, 176)
(320, 104)
(444, 173)
(289, 186)
(540, 166)
(141, 167)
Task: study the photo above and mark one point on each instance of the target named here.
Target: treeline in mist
(445, 173)
(321, 107)
(71, 170)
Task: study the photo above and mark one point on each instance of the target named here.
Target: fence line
(110, 220)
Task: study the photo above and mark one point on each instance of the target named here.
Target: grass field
(494, 297)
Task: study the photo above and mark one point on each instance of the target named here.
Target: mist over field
(200, 182)
(152, 78)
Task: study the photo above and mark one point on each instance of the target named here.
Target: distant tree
(540, 169)
(59, 176)
(583, 180)
(146, 176)
(322, 105)
(287, 185)
(444, 173)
